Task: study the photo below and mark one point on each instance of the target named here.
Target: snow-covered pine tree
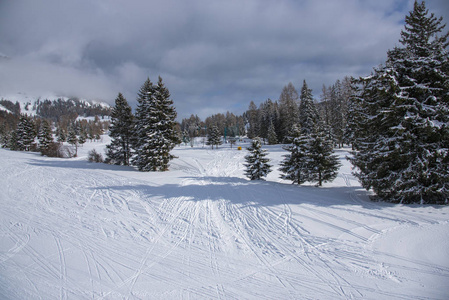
(308, 114)
(72, 138)
(164, 133)
(25, 133)
(294, 167)
(214, 138)
(118, 152)
(185, 137)
(12, 141)
(323, 164)
(154, 128)
(145, 99)
(82, 138)
(257, 166)
(272, 136)
(45, 136)
(403, 140)
(61, 135)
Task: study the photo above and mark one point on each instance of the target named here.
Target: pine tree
(308, 114)
(72, 138)
(12, 141)
(25, 134)
(154, 128)
(61, 135)
(82, 138)
(272, 136)
(402, 140)
(118, 152)
(214, 138)
(257, 165)
(322, 164)
(185, 137)
(295, 164)
(45, 136)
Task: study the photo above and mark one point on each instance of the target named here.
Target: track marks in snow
(63, 269)
(131, 237)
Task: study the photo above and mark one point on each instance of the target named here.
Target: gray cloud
(213, 55)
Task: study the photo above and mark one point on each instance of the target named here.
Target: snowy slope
(70, 229)
(27, 101)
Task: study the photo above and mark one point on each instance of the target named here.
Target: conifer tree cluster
(400, 123)
(311, 156)
(147, 138)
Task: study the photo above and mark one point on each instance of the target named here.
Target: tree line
(396, 119)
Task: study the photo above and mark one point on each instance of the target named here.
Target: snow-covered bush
(94, 156)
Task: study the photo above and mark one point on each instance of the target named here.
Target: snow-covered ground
(70, 229)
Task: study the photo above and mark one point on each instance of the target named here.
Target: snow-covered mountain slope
(28, 103)
(70, 229)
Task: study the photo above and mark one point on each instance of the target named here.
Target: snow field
(70, 229)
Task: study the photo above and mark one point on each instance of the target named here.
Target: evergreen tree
(272, 136)
(61, 135)
(214, 137)
(308, 114)
(154, 128)
(322, 165)
(257, 165)
(118, 152)
(25, 133)
(294, 132)
(402, 141)
(72, 138)
(165, 135)
(12, 141)
(295, 164)
(185, 137)
(82, 138)
(45, 136)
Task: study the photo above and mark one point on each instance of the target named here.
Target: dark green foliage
(272, 136)
(308, 114)
(323, 165)
(45, 136)
(214, 137)
(295, 164)
(257, 165)
(72, 139)
(154, 128)
(311, 157)
(402, 110)
(121, 130)
(25, 134)
(61, 135)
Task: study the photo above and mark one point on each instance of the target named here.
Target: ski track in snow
(70, 229)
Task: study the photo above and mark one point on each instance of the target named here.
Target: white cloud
(213, 54)
(37, 78)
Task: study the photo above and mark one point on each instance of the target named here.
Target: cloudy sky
(214, 56)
